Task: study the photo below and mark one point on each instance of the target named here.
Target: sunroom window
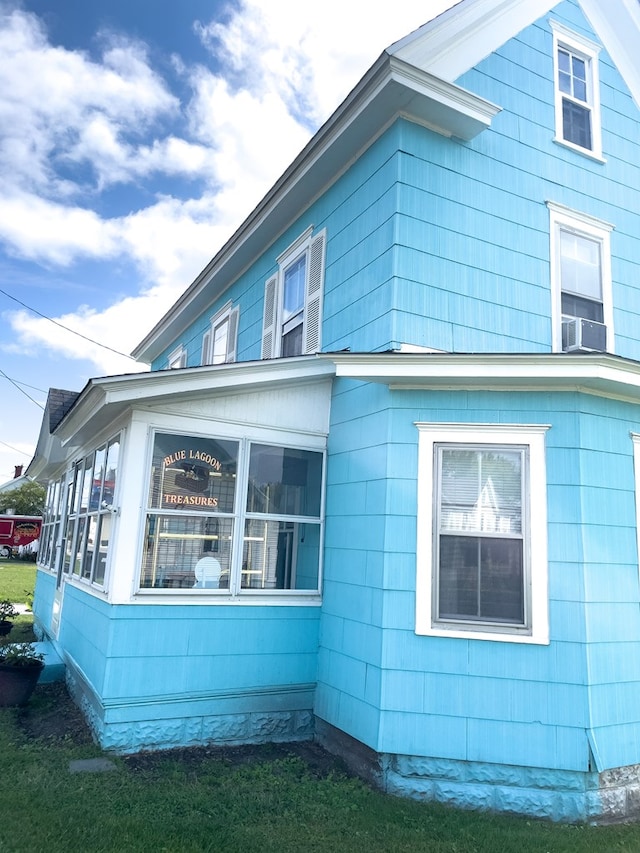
(89, 514)
(199, 537)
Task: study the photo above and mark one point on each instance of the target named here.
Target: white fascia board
(391, 88)
(460, 38)
(617, 24)
(106, 398)
(598, 374)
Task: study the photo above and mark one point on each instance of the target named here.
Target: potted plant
(7, 613)
(20, 668)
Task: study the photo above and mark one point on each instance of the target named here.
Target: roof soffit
(105, 400)
(600, 373)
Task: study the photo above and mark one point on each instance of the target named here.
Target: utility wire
(66, 328)
(21, 390)
(11, 447)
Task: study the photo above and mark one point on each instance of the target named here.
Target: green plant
(20, 654)
(7, 611)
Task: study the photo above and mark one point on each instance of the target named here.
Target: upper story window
(482, 558)
(582, 311)
(219, 341)
(577, 98)
(292, 318)
(178, 358)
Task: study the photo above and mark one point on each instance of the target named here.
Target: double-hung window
(577, 91)
(292, 320)
(219, 341)
(482, 565)
(582, 309)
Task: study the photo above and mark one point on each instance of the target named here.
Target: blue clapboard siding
(489, 691)
(43, 599)
(446, 245)
(130, 651)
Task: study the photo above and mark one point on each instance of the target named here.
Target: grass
(17, 580)
(233, 800)
(257, 799)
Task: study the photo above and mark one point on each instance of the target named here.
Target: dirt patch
(52, 715)
(318, 761)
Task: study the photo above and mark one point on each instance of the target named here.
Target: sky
(135, 136)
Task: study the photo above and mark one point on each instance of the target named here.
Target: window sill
(591, 155)
(536, 639)
(209, 598)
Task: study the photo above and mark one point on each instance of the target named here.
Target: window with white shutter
(292, 319)
(219, 342)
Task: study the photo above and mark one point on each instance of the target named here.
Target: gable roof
(413, 78)
(458, 39)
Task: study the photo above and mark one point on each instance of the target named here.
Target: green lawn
(263, 799)
(268, 799)
(17, 580)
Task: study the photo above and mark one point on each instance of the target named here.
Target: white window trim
(635, 438)
(177, 358)
(501, 434)
(235, 594)
(589, 51)
(564, 218)
(313, 245)
(228, 313)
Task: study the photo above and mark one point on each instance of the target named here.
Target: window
(178, 358)
(293, 299)
(577, 91)
(482, 563)
(89, 514)
(582, 312)
(219, 341)
(232, 517)
(54, 503)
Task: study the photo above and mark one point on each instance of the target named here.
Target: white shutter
(206, 342)
(313, 297)
(269, 318)
(232, 337)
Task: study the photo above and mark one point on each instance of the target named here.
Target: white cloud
(281, 72)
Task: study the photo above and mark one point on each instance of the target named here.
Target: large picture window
(482, 532)
(199, 536)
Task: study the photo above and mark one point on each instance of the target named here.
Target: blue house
(379, 487)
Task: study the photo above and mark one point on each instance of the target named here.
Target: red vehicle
(17, 531)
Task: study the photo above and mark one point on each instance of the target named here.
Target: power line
(66, 328)
(11, 447)
(21, 390)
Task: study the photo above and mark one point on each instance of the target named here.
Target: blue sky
(135, 135)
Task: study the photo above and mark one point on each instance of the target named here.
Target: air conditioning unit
(580, 335)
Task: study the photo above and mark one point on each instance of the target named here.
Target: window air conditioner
(580, 335)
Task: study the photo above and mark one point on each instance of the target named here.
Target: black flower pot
(5, 627)
(17, 683)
